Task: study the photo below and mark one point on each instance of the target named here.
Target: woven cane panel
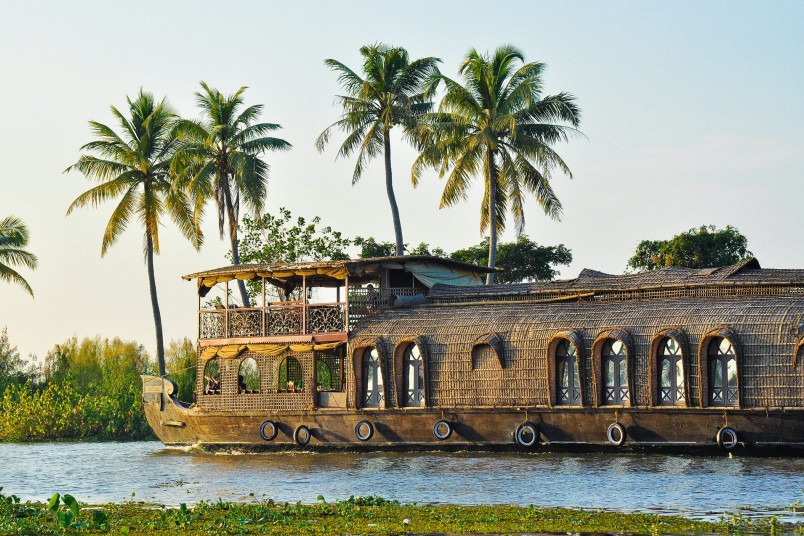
(767, 329)
(269, 397)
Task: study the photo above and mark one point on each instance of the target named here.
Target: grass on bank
(356, 515)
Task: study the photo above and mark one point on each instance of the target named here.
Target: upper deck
(317, 301)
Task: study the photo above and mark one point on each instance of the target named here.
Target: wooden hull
(688, 429)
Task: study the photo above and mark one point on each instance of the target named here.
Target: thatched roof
(746, 273)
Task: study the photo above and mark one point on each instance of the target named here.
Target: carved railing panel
(245, 322)
(211, 324)
(325, 318)
(283, 320)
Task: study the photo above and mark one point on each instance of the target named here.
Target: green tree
(702, 247)
(220, 159)
(280, 239)
(497, 125)
(12, 367)
(424, 249)
(181, 360)
(394, 92)
(519, 261)
(13, 239)
(370, 248)
(134, 166)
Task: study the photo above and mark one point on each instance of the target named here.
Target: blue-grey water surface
(148, 471)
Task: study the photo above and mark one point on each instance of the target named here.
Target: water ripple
(148, 471)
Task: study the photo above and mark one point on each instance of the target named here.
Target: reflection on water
(148, 471)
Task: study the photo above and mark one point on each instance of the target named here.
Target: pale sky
(692, 111)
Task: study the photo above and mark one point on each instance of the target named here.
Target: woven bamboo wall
(268, 398)
(768, 329)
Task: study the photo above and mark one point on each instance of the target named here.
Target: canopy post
(346, 308)
(226, 314)
(304, 304)
(264, 327)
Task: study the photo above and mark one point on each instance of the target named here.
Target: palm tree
(13, 239)
(220, 159)
(134, 166)
(498, 125)
(395, 91)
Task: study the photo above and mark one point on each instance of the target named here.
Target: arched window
(615, 372)
(212, 377)
(568, 380)
(373, 394)
(248, 377)
(671, 373)
(290, 375)
(413, 381)
(723, 389)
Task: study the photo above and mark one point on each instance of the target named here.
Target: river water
(696, 486)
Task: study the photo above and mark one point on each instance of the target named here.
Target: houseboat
(416, 352)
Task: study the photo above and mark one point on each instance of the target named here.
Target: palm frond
(119, 219)
(9, 274)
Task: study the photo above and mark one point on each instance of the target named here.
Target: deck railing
(297, 317)
(290, 318)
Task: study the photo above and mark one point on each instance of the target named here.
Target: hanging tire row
(526, 435)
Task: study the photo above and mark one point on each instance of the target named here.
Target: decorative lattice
(322, 319)
(211, 325)
(284, 320)
(245, 323)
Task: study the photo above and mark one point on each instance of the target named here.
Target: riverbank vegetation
(356, 515)
(88, 389)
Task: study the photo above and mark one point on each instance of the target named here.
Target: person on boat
(213, 384)
(372, 299)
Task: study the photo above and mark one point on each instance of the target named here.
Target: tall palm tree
(13, 239)
(497, 125)
(395, 91)
(220, 159)
(134, 166)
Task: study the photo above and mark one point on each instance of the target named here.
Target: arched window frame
(399, 370)
(358, 351)
(574, 337)
(597, 365)
(205, 381)
(798, 358)
(727, 333)
(285, 359)
(494, 340)
(678, 335)
(259, 376)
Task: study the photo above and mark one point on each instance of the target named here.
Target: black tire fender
(268, 430)
(442, 430)
(616, 434)
(302, 435)
(727, 438)
(368, 430)
(525, 429)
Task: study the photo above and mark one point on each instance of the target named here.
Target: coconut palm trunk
(160, 344)
(492, 184)
(389, 187)
(234, 243)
